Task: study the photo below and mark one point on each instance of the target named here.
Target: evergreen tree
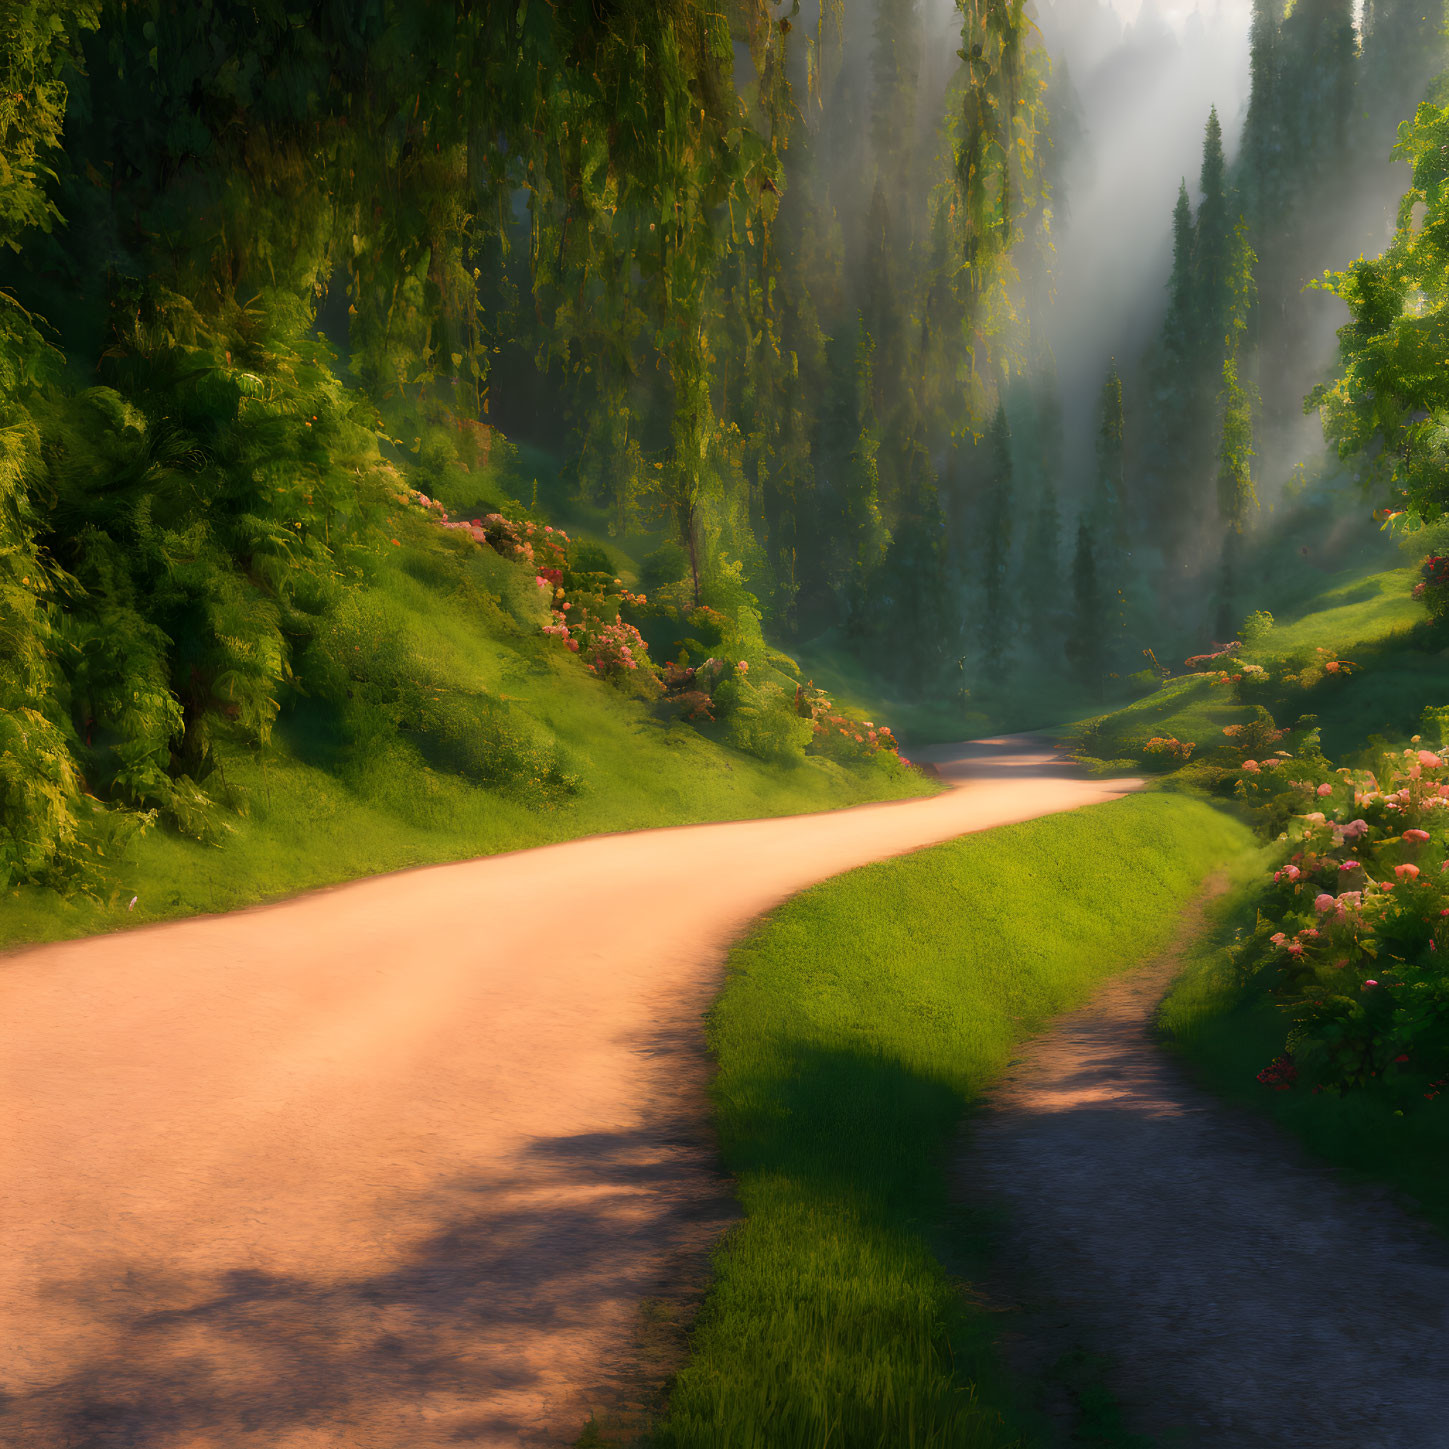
(1109, 504)
(1260, 156)
(1179, 326)
(1212, 255)
(1086, 648)
(1041, 587)
(895, 70)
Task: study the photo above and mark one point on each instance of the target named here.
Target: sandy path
(1245, 1296)
(392, 1166)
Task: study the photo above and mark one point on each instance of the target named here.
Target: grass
(1227, 1029)
(323, 804)
(1363, 610)
(1189, 709)
(856, 1027)
(1370, 619)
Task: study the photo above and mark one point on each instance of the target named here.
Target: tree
(1086, 648)
(1109, 503)
(1041, 570)
(997, 508)
(1386, 404)
(1260, 155)
(1212, 255)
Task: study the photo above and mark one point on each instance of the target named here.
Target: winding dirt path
(392, 1166)
(1243, 1295)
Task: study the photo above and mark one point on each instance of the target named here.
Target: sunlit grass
(1363, 611)
(855, 1028)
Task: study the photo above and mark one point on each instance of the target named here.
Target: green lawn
(1361, 611)
(856, 1026)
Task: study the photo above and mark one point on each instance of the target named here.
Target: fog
(1143, 79)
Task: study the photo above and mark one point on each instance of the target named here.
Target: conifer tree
(1041, 570)
(1212, 257)
(1086, 638)
(1178, 329)
(1109, 503)
(1259, 157)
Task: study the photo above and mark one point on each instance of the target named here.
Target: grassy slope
(319, 812)
(1370, 619)
(851, 1040)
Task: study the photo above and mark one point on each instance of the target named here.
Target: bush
(1350, 931)
(762, 722)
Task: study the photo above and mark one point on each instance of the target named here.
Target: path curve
(392, 1165)
(1243, 1294)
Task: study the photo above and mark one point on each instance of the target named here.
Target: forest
(763, 298)
(434, 432)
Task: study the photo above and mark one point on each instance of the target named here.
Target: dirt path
(1243, 1295)
(392, 1166)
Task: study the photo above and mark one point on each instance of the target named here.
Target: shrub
(1351, 932)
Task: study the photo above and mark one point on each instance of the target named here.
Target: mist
(1137, 93)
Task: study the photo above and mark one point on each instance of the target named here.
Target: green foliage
(37, 48)
(1391, 393)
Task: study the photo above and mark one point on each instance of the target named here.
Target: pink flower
(573, 646)
(743, 666)
(1349, 865)
(1371, 983)
(1406, 872)
(1277, 938)
(1325, 902)
(1429, 760)
(1251, 767)
(1417, 836)
(1325, 790)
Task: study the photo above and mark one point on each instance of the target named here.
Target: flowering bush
(1433, 585)
(1255, 736)
(1354, 928)
(1170, 748)
(616, 649)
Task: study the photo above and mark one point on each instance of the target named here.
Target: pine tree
(1178, 329)
(1260, 155)
(1041, 570)
(1212, 256)
(1086, 639)
(895, 70)
(1109, 502)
